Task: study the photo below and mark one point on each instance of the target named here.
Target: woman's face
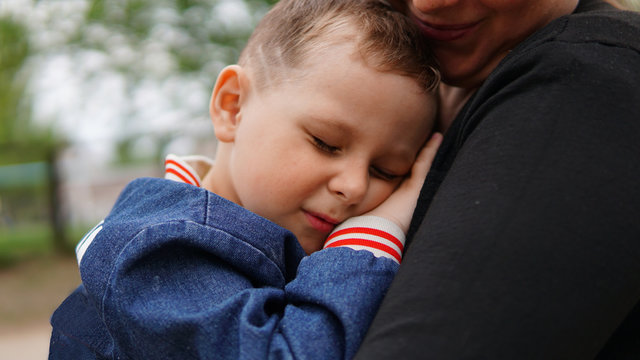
(470, 37)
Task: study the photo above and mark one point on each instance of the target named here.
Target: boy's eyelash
(383, 174)
(324, 146)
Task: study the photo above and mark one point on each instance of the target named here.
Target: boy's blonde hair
(294, 30)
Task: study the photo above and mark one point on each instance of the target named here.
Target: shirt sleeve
(380, 236)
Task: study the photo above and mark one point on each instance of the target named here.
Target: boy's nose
(426, 6)
(350, 185)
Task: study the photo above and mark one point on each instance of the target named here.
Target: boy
(309, 127)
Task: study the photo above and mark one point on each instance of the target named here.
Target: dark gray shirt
(526, 239)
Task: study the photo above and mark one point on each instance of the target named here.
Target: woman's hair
(295, 30)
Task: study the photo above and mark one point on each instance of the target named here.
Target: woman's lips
(445, 32)
(320, 222)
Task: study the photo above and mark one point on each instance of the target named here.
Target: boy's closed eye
(375, 171)
(385, 175)
(322, 145)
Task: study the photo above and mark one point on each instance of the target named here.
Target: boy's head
(323, 124)
(296, 31)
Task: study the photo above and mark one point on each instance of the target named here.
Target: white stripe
(372, 222)
(173, 177)
(188, 172)
(83, 245)
(84, 238)
(357, 235)
(188, 175)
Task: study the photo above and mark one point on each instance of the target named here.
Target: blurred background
(93, 94)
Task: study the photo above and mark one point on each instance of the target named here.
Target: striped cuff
(379, 235)
(177, 169)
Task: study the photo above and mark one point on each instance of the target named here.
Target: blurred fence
(48, 202)
(25, 193)
(29, 206)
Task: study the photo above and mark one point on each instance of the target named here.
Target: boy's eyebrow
(341, 125)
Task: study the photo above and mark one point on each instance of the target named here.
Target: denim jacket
(177, 272)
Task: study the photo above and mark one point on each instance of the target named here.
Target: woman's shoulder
(582, 61)
(603, 44)
(611, 27)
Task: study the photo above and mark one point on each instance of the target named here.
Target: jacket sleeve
(529, 248)
(178, 290)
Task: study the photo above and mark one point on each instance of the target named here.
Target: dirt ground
(29, 292)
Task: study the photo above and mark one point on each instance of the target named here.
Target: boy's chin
(310, 245)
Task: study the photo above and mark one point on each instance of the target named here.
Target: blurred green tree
(631, 4)
(20, 140)
(30, 191)
(146, 41)
(14, 50)
(162, 39)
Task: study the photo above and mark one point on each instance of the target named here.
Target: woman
(527, 231)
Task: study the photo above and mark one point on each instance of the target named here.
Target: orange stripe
(369, 231)
(176, 173)
(368, 243)
(177, 164)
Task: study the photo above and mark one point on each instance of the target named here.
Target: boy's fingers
(425, 157)
(428, 152)
(400, 205)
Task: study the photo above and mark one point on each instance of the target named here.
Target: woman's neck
(452, 99)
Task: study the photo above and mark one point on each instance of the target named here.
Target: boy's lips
(445, 32)
(320, 222)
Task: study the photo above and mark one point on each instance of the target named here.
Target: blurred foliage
(20, 139)
(149, 43)
(138, 19)
(14, 50)
(18, 243)
(197, 44)
(23, 199)
(24, 242)
(630, 4)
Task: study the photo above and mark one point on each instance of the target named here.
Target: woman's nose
(427, 6)
(350, 184)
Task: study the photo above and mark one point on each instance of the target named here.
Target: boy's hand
(400, 205)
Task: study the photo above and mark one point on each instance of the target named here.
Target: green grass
(28, 241)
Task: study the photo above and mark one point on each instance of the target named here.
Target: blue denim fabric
(177, 272)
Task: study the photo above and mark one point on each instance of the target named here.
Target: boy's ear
(226, 99)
